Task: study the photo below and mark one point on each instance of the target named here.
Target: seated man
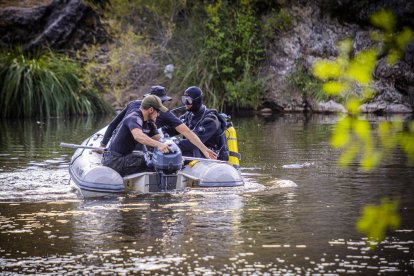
(136, 128)
(165, 119)
(204, 122)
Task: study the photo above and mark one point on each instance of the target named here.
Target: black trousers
(125, 164)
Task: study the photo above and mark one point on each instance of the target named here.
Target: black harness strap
(235, 154)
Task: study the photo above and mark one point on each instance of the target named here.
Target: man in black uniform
(165, 119)
(204, 122)
(136, 128)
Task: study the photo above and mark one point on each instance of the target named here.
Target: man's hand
(209, 154)
(163, 148)
(100, 151)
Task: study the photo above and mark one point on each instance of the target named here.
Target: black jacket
(207, 125)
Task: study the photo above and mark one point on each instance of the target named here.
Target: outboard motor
(166, 165)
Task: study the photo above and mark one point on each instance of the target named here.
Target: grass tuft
(44, 85)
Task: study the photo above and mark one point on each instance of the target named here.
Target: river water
(296, 214)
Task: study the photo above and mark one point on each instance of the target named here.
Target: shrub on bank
(45, 84)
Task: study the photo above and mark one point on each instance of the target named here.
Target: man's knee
(113, 162)
(134, 163)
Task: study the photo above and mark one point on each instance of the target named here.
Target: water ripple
(36, 184)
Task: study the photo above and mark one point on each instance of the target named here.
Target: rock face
(60, 24)
(313, 36)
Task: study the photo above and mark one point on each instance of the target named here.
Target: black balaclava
(197, 95)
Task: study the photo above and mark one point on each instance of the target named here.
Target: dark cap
(154, 102)
(160, 92)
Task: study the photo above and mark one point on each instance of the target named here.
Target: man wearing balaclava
(205, 123)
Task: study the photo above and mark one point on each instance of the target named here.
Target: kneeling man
(136, 128)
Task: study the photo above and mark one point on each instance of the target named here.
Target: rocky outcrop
(60, 24)
(313, 36)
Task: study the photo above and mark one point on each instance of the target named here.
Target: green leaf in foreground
(377, 219)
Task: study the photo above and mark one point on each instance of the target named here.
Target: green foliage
(215, 45)
(234, 48)
(306, 83)
(114, 75)
(377, 219)
(153, 19)
(246, 92)
(279, 22)
(195, 73)
(44, 85)
(227, 56)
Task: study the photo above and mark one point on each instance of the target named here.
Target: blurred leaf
(345, 46)
(368, 93)
(363, 130)
(384, 19)
(397, 124)
(340, 139)
(348, 155)
(377, 36)
(340, 135)
(361, 67)
(333, 87)
(407, 142)
(353, 105)
(324, 69)
(370, 159)
(384, 132)
(404, 37)
(393, 56)
(377, 219)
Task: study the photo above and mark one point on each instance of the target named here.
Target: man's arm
(156, 137)
(207, 128)
(142, 138)
(195, 140)
(110, 129)
(112, 126)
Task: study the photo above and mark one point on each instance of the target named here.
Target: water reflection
(33, 143)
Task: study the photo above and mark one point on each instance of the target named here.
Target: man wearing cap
(164, 119)
(204, 122)
(136, 128)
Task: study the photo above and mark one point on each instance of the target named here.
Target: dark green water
(295, 216)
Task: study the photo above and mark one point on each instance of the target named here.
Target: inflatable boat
(168, 172)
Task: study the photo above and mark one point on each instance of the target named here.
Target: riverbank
(125, 54)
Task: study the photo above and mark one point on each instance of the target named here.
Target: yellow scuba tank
(234, 155)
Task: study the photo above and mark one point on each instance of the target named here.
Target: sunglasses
(187, 100)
